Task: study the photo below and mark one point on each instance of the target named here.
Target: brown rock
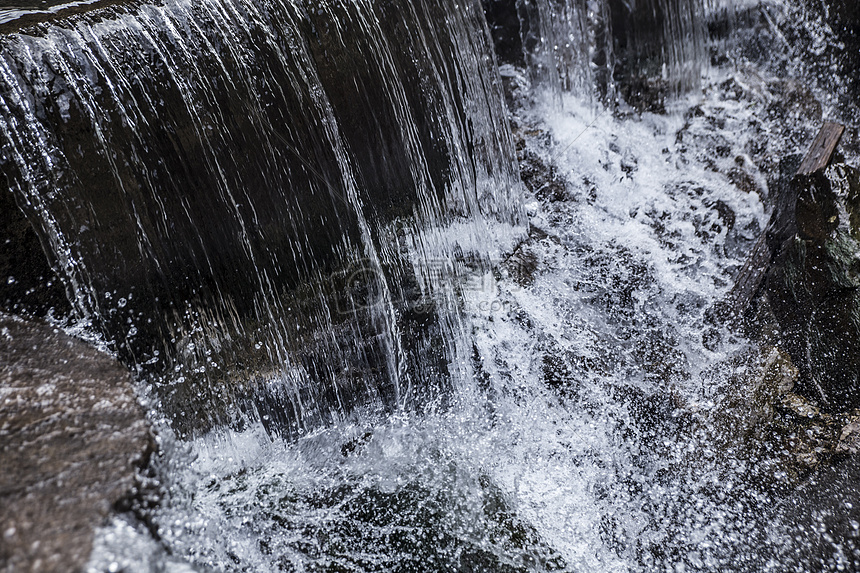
(72, 436)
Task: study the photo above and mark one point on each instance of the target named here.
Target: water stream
(383, 321)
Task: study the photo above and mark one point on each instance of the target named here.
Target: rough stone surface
(72, 436)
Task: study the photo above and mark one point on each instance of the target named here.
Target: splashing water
(496, 397)
(578, 440)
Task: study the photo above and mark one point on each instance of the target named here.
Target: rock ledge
(72, 437)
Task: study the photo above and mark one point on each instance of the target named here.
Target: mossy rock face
(814, 289)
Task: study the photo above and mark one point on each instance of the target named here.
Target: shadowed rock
(28, 284)
(71, 438)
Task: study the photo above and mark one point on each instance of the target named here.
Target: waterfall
(265, 206)
(419, 285)
(593, 48)
(248, 198)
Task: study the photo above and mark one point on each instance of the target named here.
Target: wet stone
(72, 437)
(817, 528)
(812, 289)
(28, 285)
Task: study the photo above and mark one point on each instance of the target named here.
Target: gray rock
(72, 436)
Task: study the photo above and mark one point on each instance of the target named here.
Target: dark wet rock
(557, 373)
(655, 414)
(28, 284)
(646, 71)
(808, 436)
(72, 438)
(758, 381)
(783, 436)
(523, 264)
(420, 526)
(844, 19)
(644, 94)
(793, 100)
(356, 444)
(817, 527)
(741, 179)
(540, 176)
(657, 352)
(816, 210)
(812, 289)
(504, 22)
(849, 438)
(545, 183)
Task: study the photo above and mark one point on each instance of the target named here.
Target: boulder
(813, 288)
(72, 437)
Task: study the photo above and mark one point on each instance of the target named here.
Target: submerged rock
(72, 437)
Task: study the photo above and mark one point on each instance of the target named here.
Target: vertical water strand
(353, 31)
(453, 240)
(483, 147)
(273, 311)
(482, 180)
(555, 36)
(602, 52)
(216, 185)
(381, 314)
(685, 35)
(439, 84)
(24, 148)
(115, 113)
